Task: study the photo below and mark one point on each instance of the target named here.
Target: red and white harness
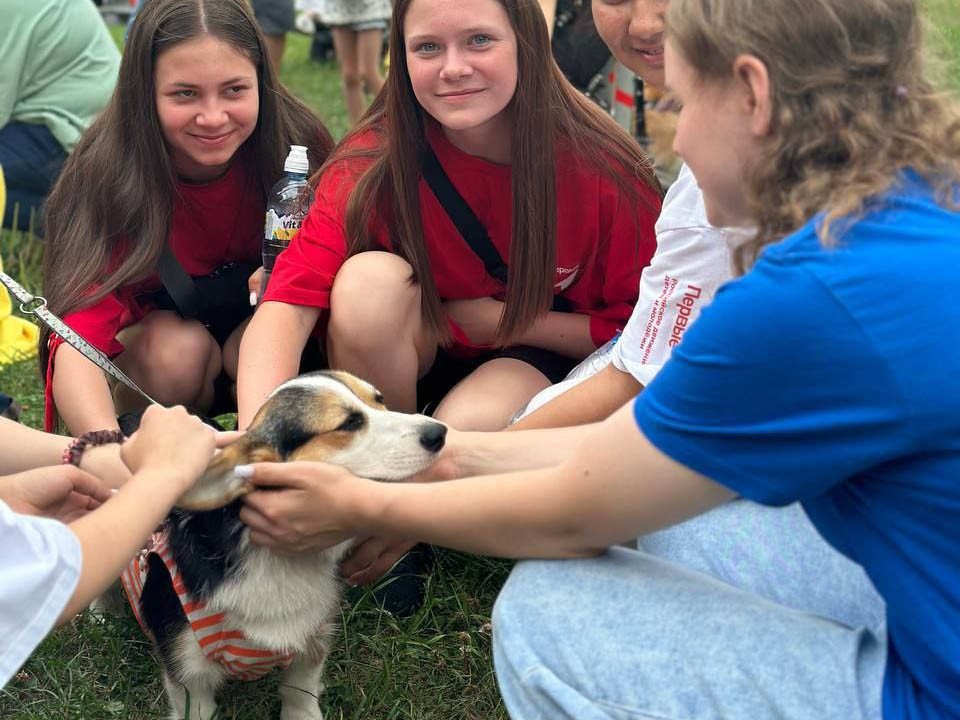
(219, 642)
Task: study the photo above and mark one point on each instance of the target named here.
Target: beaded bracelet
(74, 451)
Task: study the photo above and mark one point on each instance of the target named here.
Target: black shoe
(9, 408)
(400, 591)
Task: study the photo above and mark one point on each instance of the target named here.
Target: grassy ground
(435, 665)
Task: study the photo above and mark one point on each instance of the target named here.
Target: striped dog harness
(219, 643)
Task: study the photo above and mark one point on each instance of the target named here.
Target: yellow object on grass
(18, 337)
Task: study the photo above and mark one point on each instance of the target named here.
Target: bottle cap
(297, 160)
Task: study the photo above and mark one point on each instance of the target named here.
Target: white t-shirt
(693, 259)
(40, 563)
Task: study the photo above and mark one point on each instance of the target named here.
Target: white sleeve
(691, 262)
(39, 569)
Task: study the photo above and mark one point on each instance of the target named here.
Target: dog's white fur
(289, 603)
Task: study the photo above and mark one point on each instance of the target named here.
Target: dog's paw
(300, 712)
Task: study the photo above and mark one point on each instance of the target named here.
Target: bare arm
(593, 400)
(615, 486)
(564, 333)
(81, 393)
(23, 448)
(166, 455)
(270, 353)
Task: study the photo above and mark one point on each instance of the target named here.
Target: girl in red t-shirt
(566, 197)
(180, 161)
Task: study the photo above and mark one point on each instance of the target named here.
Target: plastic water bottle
(287, 206)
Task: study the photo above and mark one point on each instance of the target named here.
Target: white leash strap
(36, 305)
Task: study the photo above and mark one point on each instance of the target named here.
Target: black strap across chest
(462, 216)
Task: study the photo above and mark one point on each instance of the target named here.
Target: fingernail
(243, 471)
(253, 299)
(114, 491)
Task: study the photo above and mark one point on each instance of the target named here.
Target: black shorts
(447, 370)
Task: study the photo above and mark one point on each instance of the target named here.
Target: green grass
(943, 38)
(435, 665)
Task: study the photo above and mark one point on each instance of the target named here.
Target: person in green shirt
(59, 69)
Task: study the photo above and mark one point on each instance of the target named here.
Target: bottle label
(281, 227)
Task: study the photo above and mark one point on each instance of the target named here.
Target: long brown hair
(851, 105)
(546, 109)
(118, 184)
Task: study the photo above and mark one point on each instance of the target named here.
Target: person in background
(358, 27)
(276, 18)
(59, 69)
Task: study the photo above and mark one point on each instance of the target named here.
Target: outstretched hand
(172, 442)
(61, 492)
(302, 506)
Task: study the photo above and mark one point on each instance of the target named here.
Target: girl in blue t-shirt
(825, 375)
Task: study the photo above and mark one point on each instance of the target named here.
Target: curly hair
(852, 106)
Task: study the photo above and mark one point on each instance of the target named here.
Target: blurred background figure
(276, 19)
(358, 28)
(549, 8)
(59, 69)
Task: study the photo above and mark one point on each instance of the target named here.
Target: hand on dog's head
(330, 416)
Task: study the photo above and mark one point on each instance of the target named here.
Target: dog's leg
(191, 689)
(301, 685)
(190, 701)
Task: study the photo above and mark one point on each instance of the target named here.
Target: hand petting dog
(282, 512)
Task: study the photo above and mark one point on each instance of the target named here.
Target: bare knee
(175, 358)
(351, 78)
(487, 398)
(373, 303)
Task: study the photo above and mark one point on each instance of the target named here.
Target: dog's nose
(433, 436)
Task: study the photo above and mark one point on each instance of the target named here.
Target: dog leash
(37, 306)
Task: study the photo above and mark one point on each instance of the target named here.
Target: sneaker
(10, 408)
(401, 590)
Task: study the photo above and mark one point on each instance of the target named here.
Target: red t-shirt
(212, 224)
(603, 240)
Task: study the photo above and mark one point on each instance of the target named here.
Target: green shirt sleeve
(61, 65)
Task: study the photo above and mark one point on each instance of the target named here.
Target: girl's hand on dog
(301, 506)
(171, 442)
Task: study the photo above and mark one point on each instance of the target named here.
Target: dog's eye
(353, 423)
(378, 399)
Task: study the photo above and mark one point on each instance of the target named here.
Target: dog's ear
(218, 486)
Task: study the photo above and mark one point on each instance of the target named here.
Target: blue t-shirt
(832, 376)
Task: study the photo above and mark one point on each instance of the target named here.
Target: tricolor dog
(218, 607)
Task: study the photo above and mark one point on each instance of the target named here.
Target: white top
(40, 563)
(693, 259)
(347, 12)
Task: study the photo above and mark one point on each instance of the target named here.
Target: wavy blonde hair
(851, 104)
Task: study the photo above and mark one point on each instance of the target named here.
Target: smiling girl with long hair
(177, 167)
(567, 199)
